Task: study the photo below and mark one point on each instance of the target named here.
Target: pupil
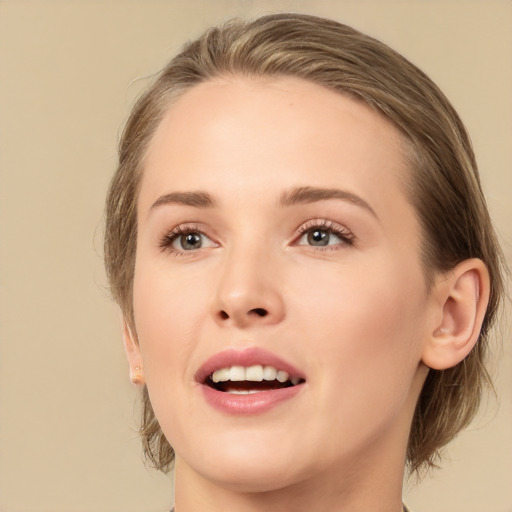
(318, 237)
(191, 241)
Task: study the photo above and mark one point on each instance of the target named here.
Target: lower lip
(254, 403)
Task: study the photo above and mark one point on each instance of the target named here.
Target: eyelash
(345, 235)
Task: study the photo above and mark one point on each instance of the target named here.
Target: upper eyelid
(324, 224)
(188, 227)
(319, 222)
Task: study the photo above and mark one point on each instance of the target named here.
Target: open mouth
(246, 380)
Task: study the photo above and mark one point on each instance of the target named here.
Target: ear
(462, 296)
(131, 347)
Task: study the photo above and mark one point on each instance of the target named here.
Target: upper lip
(245, 357)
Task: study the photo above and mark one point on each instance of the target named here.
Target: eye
(320, 237)
(183, 239)
(188, 242)
(323, 234)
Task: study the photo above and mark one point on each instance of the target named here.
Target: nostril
(259, 311)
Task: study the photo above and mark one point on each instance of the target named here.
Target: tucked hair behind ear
(444, 186)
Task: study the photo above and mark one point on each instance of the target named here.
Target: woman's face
(275, 241)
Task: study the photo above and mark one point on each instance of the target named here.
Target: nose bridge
(248, 290)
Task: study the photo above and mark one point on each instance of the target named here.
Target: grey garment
(405, 508)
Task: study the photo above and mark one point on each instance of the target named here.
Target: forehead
(231, 133)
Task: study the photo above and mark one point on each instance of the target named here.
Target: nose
(249, 291)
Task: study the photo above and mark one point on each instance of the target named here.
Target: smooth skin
(332, 282)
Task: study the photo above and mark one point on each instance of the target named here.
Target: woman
(307, 270)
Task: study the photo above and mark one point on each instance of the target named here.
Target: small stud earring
(137, 376)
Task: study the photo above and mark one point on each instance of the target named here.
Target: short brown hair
(444, 189)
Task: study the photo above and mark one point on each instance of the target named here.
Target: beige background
(68, 73)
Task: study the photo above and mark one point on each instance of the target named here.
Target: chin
(254, 478)
(250, 467)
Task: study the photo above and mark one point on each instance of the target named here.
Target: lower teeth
(243, 391)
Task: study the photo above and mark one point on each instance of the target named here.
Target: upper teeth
(255, 373)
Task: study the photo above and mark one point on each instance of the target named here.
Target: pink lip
(246, 404)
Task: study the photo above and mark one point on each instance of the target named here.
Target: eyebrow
(299, 195)
(302, 195)
(196, 199)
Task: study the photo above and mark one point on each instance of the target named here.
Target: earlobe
(462, 297)
(132, 350)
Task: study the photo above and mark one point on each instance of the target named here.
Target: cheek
(167, 309)
(168, 313)
(365, 326)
